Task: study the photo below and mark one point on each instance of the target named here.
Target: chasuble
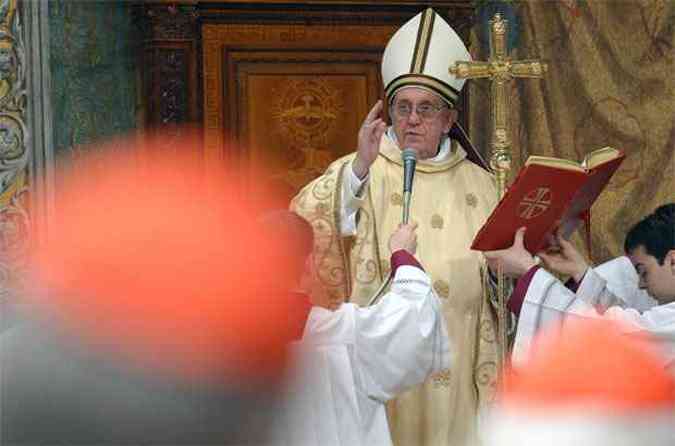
(451, 200)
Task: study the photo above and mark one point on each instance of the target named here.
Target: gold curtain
(610, 82)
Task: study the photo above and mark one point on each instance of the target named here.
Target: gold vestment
(451, 201)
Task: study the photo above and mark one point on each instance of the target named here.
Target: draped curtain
(609, 83)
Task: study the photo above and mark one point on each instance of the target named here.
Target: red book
(547, 194)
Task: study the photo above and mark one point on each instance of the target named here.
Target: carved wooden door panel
(289, 98)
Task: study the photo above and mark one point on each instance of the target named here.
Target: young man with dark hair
(650, 245)
(540, 299)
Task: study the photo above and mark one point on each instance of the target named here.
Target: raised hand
(404, 237)
(565, 260)
(515, 261)
(370, 134)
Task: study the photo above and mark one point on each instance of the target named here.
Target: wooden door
(289, 98)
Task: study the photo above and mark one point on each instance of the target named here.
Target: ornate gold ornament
(306, 111)
(15, 222)
(8, 67)
(500, 70)
(11, 137)
(7, 11)
(305, 116)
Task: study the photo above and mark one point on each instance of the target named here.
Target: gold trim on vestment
(423, 41)
(421, 80)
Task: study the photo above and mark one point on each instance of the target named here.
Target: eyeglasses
(425, 110)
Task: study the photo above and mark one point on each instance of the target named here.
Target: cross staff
(500, 70)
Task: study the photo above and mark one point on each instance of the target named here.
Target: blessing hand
(370, 134)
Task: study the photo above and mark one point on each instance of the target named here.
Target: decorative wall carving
(281, 81)
(171, 38)
(306, 110)
(170, 21)
(382, 12)
(320, 36)
(14, 216)
(311, 50)
(297, 112)
(173, 86)
(201, 22)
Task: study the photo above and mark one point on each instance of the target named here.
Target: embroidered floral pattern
(442, 378)
(442, 288)
(436, 221)
(396, 199)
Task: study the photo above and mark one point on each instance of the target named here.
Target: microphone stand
(409, 157)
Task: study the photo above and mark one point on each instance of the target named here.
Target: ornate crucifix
(500, 70)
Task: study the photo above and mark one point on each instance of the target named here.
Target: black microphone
(409, 157)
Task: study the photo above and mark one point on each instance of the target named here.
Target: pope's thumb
(519, 238)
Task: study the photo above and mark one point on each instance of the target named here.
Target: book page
(558, 163)
(600, 156)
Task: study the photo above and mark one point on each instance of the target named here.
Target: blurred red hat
(156, 259)
(588, 384)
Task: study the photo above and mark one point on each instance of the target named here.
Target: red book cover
(547, 194)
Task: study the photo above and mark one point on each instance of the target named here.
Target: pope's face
(658, 279)
(421, 133)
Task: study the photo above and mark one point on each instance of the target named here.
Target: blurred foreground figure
(145, 322)
(591, 386)
(351, 361)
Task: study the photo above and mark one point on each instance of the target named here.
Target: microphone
(409, 157)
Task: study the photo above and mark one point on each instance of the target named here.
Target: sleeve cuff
(591, 287)
(401, 258)
(515, 302)
(573, 285)
(355, 183)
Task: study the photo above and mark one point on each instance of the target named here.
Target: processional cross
(500, 70)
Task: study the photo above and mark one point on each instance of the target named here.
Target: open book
(549, 194)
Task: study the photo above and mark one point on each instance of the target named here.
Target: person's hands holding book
(565, 259)
(514, 261)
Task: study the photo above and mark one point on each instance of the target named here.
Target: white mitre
(420, 53)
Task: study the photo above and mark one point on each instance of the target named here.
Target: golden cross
(500, 70)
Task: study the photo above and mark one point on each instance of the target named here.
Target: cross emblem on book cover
(535, 203)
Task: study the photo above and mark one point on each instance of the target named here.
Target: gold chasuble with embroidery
(451, 201)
